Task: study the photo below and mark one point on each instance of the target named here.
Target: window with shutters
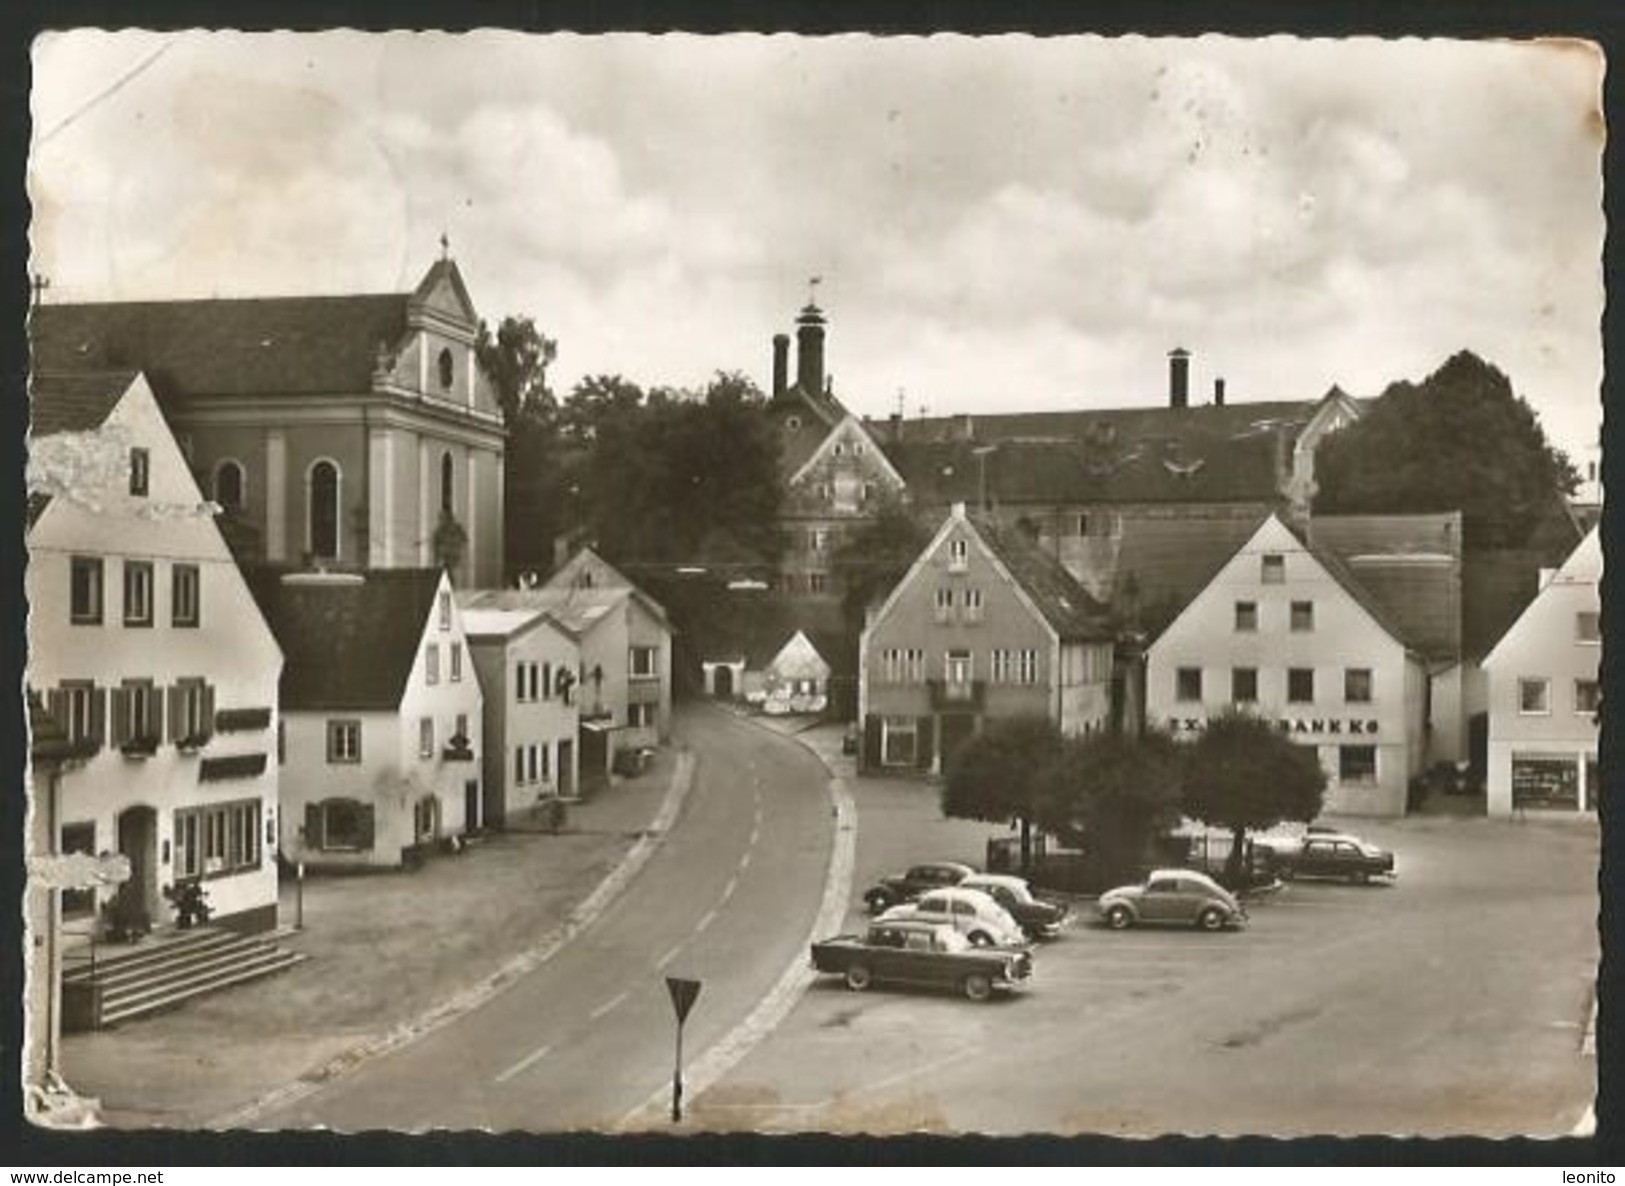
(136, 719)
(80, 706)
(85, 591)
(186, 595)
(138, 593)
(218, 840)
(191, 712)
(339, 825)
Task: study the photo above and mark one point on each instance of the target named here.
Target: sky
(1001, 223)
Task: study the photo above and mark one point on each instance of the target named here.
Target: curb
(581, 916)
(728, 1051)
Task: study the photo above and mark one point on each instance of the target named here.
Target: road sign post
(683, 994)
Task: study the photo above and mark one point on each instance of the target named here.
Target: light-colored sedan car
(970, 912)
(1035, 916)
(1182, 897)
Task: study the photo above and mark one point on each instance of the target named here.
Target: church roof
(254, 346)
(347, 642)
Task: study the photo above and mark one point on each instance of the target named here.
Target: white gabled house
(149, 659)
(381, 706)
(1544, 695)
(529, 665)
(1284, 631)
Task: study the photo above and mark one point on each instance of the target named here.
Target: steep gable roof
(256, 346)
(349, 642)
(74, 402)
(1410, 565)
(444, 270)
(1582, 567)
(850, 429)
(1163, 563)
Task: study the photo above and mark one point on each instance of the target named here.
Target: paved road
(1451, 1002)
(728, 899)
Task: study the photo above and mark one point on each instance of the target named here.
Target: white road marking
(530, 1059)
(660, 964)
(706, 919)
(728, 890)
(755, 835)
(607, 1006)
(744, 862)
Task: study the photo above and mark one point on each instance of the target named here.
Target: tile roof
(1497, 586)
(1410, 565)
(1062, 601)
(74, 402)
(347, 642)
(258, 346)
(577, 610)
(493, 622)
(1212, 453)
(1163, 563)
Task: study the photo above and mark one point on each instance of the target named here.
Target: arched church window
(324, 510)
(228, 485)
(446, 370)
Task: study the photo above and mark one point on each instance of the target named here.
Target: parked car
(1332, 854)
(922, 954)
(1037, 917)
(897, 888)
(970, 912)
(1178, 896)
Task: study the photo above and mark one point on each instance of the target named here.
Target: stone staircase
(163, 971)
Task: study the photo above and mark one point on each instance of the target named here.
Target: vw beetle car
(1180, 897)
(970, 912)
(1037, 917)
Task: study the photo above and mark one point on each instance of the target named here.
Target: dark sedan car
(1334, 854)
(923, 955)
(1037, 917)
(898, 888)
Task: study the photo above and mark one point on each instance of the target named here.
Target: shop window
(138, 593)
(1357, 763)
(343, 741)
(218, 840)
(1272, 570)
(1246, 616)
(85, 591)
(186, 598)
(1534, 696)
(1244, 685)
(339, 825)
(1300, 685)
(899, 741)
(1188, 685)
(1303, 616)
(1357, 685)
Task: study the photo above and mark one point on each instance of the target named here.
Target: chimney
(897, 426)
(1218, 393)
(810, 350)
(1179, 378)
(781, 364)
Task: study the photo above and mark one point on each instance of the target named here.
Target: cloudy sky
(998, 223)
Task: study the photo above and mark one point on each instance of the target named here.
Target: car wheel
(1361, 877)
(980, 939)
(1211, 919)
(978, 987)
(878, 903)
(1119, 918)
(858, 977)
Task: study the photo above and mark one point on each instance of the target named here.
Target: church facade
(345, 432)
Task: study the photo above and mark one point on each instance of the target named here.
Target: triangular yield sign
(683, 993)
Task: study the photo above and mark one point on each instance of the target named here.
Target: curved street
(729, 899)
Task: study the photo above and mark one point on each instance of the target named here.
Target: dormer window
(447, 370)
(140, 471)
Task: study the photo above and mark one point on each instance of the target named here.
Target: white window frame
(1179, 685)
(1531, 682)
(343, 741)
(456, 663)
(139, 578)
(1596, 697)
(431, 664)
(425, 737)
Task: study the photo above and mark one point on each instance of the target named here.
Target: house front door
(724, 681)
(138, 840)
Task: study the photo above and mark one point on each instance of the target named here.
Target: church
(338, 432)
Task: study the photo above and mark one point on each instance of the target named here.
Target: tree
(1243, 773)
(1459, 440)
(869, 562)
(1113, 794)
(999, 773)
(516, 358)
